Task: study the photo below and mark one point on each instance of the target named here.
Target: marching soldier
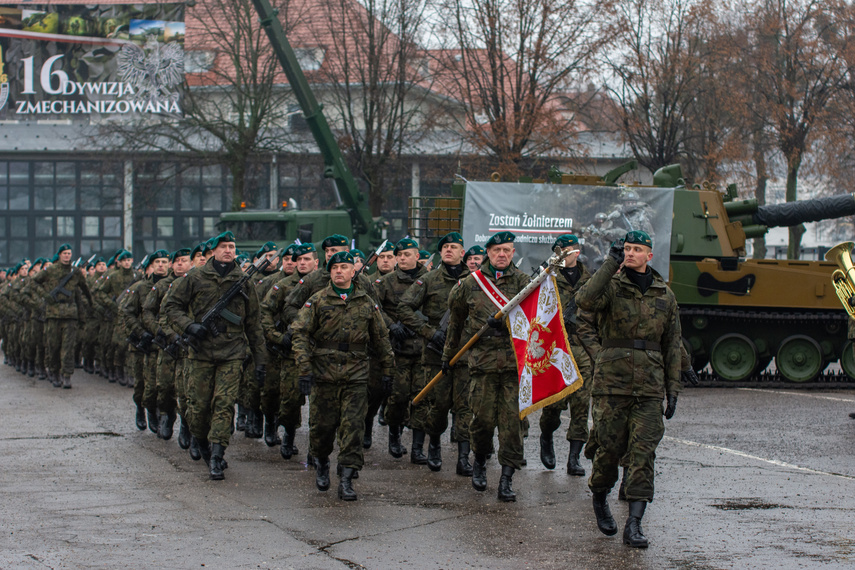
(474, 257)
(429, 296)
(331, 339)
(637, 367)
(107, 292)
(408, 377)
(494, 395)
(386, 260)
(93, 320)
(569, 279)
(64, 288)
(216, 360)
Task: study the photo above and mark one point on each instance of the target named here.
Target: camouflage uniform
(62, 315)
(630, 383)
(429, 295)
(33, 297)
(164, 377)
(91, 345)
(131, 311)
(107, 292)
(215, 365)
(408, 377)
(331, 340)
(494, 393)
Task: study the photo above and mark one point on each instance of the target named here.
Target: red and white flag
(547, 369)
(545, 363)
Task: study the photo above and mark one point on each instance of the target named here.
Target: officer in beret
(64, 292)
(494, 395)
(197, 254)
(637, 367)
(331, 339)
(569, 278)
(474, 257)
(288, 265)
(429, 296)
(386, 259)
(425, 259)
(106, 296)
(216, 360)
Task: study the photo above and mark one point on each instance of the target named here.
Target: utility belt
(630, 343)
(342, 346)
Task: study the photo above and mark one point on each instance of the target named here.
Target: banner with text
(539, 213)
(79, 61)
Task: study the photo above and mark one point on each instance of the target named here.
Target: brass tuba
(843, 279)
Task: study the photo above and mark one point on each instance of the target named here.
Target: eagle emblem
(154, 70)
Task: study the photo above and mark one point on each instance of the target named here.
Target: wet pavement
(745, 478)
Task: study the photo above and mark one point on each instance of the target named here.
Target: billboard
(539, 213)
(63, 61)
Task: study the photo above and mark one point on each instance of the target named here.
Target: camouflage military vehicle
(738, 315)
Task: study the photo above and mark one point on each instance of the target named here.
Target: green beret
(335, 240)
(39, 261)
(405, 243)
(340, 257)
(451, 237)
(474, 250)
(159, 254)
(499, 238)
(124, 255)
(357, 253)
(289, 251)
(390, 246)
(565, 240)
(99, 259)
(266, 248)
(201, 248)
(242, 258)
(639, 237)
(55, 258)
(14, 269)
(302, 249)
(144, 263)
(225, 236)
(424, 254)
(179, 253)
(63, 247)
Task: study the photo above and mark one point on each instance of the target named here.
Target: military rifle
(220, 310)
(370, 261)
(60, 287)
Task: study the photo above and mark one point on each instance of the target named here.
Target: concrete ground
(745, 478)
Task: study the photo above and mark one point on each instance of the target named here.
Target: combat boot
(120, 377)
(31, 369)
(195, 452)
(381, 414)
(547, 450)
(338, 471)
(605, 520)
(322, 473)
(140, 419)
(166, 423)
(254, 424)
(367, 438)
(55, 379)
(153, 421)
(573, 465)
(396, 450)
(479, 472)
(463, 467)
(345, 485)
(285, 450)
(205, 451)
(131, 382)
(434, 458)
(17, 365)
(417, 455)
(632, 533)
(66, 382)
(183, 434)
(217, 461)
(42, 373)
(506, 493)
(240, 424)
(97, 368)
(271, 429)
(113, 376)
(87, 366)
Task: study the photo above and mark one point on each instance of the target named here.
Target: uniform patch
(308, 304)
(300, 282)
(419, 282)
(153, 288)
(377, 281)
(276, 287)
(661, 304)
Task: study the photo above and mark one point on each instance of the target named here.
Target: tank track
(769, 379)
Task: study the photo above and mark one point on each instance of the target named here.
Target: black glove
(495, 323)
(689, 376)
(197, 330)
(446, 368)
(305, 384)
(146, 339)
(616, 251)
(286, 340)
(397, 331)
(260, 375)
(671, 407)
(386, 386)
(438, 338)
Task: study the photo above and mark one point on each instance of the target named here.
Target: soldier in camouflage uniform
(637, 366)
(494, 395)
(106, 294)
(63, 311)
(278, 334)
(429, 297)
(93, 319)
(330, 342)
(216, 361)
(407, 346)
(569, 278)
(34, 299)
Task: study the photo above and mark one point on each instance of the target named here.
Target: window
(65, 226)
(198, 61)
(90, 226)
(112, 226)
(165, 227)
(44, 227)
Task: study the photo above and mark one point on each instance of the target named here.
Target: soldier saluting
(216, 357)
(638, 365)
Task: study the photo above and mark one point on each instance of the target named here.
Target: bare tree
(509, 62)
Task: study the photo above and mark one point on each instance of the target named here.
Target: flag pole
(553, 262)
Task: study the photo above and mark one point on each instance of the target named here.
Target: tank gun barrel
(795, 213)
